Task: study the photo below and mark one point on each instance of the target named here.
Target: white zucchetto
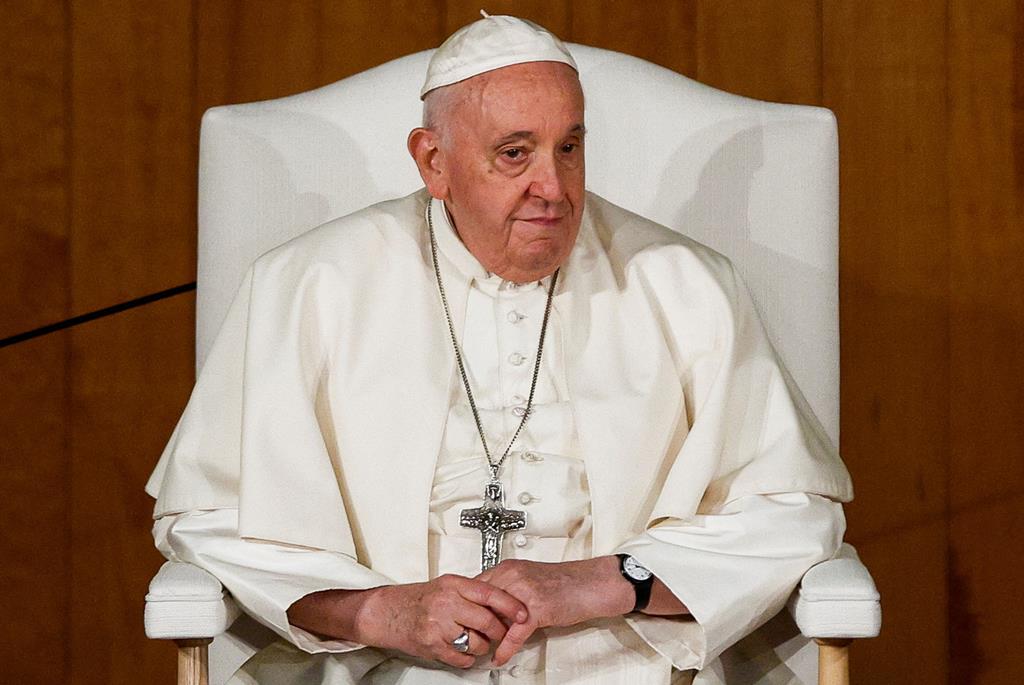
(492, 43)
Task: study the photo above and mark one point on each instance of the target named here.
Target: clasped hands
(500, 608)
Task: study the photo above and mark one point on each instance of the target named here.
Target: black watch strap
(642, 588)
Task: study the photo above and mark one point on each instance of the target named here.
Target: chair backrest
(757, 181)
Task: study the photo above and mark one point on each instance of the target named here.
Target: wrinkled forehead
(535, 75)
(522, 88)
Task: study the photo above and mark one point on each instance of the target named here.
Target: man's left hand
(559, 594)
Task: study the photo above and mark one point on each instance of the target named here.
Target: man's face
(511, 167)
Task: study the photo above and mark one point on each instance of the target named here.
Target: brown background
(99, 112)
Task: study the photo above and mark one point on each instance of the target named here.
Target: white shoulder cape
(319, 412)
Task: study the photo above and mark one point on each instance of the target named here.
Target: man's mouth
(544, 220)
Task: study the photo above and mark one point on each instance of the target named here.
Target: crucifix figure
(492, 520)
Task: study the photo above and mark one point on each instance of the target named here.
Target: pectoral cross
(492, 520)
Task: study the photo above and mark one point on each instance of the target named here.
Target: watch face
(634, 570)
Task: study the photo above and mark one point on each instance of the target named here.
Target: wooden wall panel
(356, 35)
(35, 591)
(35, 587)
(255, 50)
(910, 568)
(131, 378)
(986, 245)
(250, 51)
(752, 48)
(133, 162)
(133, 232)
(986, 249)
(554, 15)
(987, 544)
(884, 76)
(660, 31)
(33, 166)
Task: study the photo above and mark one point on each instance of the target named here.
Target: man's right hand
(419, 619)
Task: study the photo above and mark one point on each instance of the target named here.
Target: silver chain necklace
(492, 519)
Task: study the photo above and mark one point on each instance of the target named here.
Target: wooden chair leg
(833, 662)
(194, 661)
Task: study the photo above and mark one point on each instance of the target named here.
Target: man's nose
(547, 182)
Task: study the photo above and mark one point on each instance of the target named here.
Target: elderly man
(499, 427)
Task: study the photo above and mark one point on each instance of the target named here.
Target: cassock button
(514, 671)
(519, 540)
(515, 359)
(519, 411)
(532, 457)
(515, 317)
(518, 399)
(526, 498)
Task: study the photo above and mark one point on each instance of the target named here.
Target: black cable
(98, 314)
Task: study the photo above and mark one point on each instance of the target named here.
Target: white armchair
(757, 181)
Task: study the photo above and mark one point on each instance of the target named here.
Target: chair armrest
(185, 602)
(837, 599)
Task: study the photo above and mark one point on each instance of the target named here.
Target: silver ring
(461, 643)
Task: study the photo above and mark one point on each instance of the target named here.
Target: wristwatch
(639, 577)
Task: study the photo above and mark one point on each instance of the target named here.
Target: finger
(453, 658)
(513, 641)
(478, 644)
(480, 619)
(500, 601)
(446, 652)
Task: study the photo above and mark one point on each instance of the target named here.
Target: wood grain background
(98, 132)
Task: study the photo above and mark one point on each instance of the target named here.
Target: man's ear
(424, 146)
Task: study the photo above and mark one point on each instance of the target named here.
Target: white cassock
(329, 444)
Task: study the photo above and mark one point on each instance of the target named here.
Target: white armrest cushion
(837, 599)
(185, 602)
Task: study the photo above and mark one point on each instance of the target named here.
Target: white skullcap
(492, 43)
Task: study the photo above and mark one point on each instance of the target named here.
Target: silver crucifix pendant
(492, 520)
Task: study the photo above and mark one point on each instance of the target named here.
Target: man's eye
(513, 153)
(569, 148)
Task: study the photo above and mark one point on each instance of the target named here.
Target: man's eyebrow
(578, 129)
(514, 136)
